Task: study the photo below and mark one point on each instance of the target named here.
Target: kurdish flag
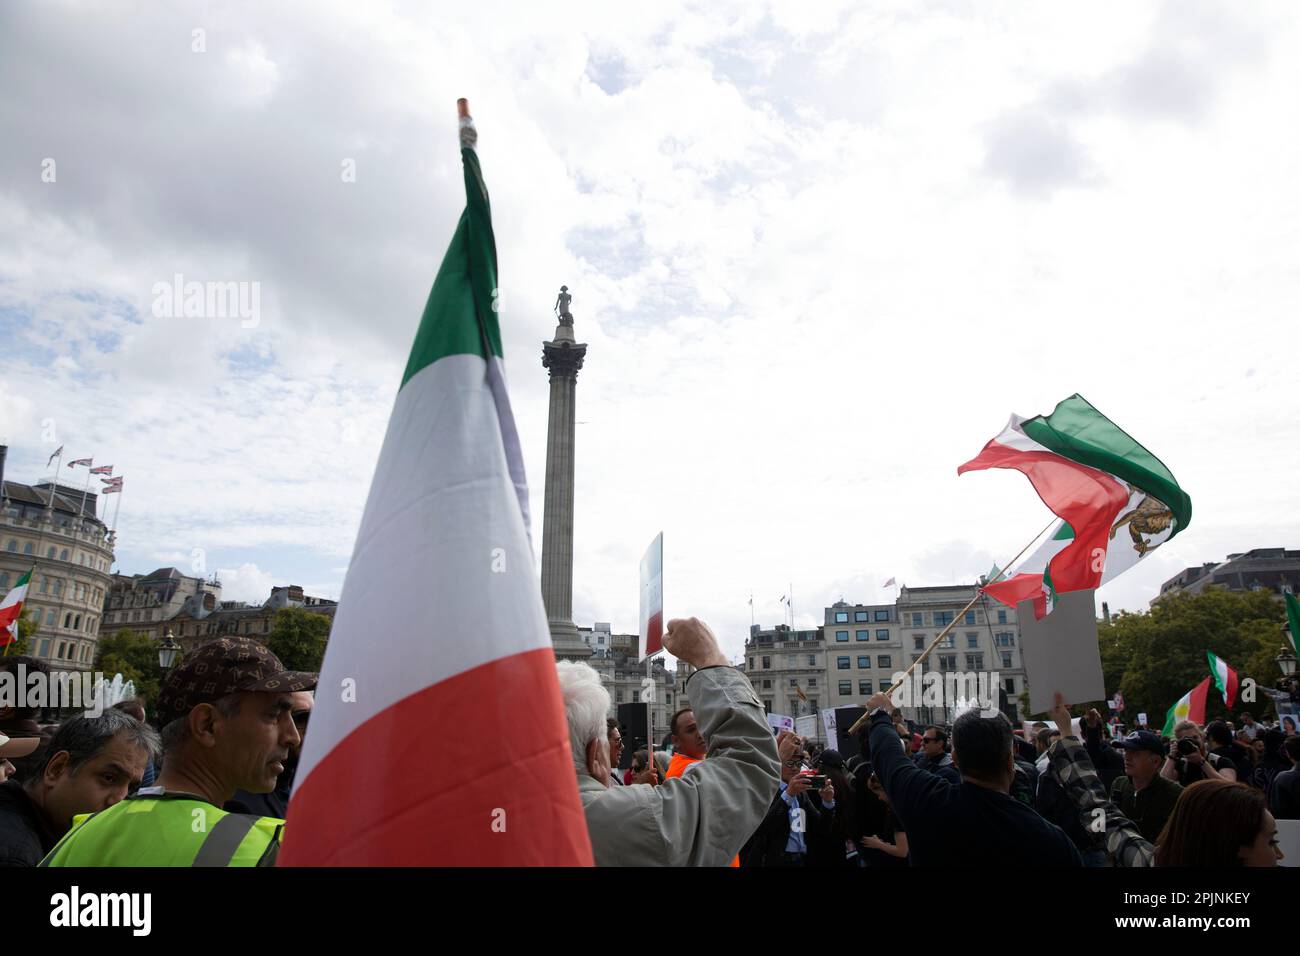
(11, 608)
(1191, 706)
(1115, 500)
(1225, 678)
(439, 735)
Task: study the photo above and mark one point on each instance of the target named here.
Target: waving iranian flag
(1115, 500)
(11, 609)
(1225, 678)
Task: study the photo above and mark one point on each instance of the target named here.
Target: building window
(918, 642)
(1006, 639)
(883, 661)
(1009, 685)
(4, 579)
(812, 660)
(58, 587)
(27, 548)
(67, 619)
(618, 697)
(846, 687)
(882, 634)
(812, 704)
(751, 663)
(947, 662)
(1006, 659)
(841, 635)
(882, 615)
(862, 635)
(841, 617)
(50, 553)
(864, 661)
(970, 618)
(1002, 617)
(812, 681)
(58, 653)
(864, 688)
(13, 544)
(972, 640)
(841, 663)
(63, 555)
(943, 618)
(767, 685)
(949, 641)
(859, 615)
(636, 697)
(45, 648)
(916, 620)
(974, 662)
(767, 663)
(767, 706)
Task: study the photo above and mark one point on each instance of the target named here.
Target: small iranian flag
(1191, 706)
(440, 626)
(11, 608)
(1105, 488)
(1225, 678)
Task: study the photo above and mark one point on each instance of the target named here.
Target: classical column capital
(564, 359)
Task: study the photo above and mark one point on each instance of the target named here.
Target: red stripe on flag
(1196, 706)
(654, 641)
(423, 782)
(1088, 499)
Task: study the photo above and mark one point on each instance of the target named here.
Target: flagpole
(116, 508)
(953, 623)
(86, 490)
(54, 483)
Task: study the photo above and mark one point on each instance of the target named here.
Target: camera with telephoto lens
(1186, 746)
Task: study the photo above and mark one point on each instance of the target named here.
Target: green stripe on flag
(460, 315)
(1293, 615)
(1077, 431)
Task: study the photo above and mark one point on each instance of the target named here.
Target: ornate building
(52, 530)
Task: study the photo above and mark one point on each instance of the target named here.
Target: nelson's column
(563, 357)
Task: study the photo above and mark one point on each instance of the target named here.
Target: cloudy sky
(819, 252)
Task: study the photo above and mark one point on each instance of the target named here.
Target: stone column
(563, 357)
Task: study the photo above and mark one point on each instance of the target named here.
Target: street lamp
(167, 652)
(1286, 661)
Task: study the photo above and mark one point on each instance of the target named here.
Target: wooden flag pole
(953, 623)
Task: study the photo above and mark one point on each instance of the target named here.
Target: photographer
(797, 827)
(1189, 761)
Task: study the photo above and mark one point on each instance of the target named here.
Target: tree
(135, 657)
(1154, 657)
(298, 638)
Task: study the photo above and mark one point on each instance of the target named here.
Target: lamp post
(167, 652)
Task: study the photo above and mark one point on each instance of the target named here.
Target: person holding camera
(1143, 794)
(1189, 761)
(800, 819)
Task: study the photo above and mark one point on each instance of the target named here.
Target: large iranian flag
(1225, 678)
(1191, 706)
(11, 608)
(1115, 500)
(439, 736)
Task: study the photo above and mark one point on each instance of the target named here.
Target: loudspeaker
(632, 725)
(846, 743)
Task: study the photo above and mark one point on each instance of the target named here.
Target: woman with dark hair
(1217, 823)
(842, 846)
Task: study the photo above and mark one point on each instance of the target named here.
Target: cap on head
(1142, 740)
(227, 665)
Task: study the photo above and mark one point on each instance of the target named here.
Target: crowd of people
(211, 785)
(974, 794)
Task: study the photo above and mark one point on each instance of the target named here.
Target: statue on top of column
(562, 306)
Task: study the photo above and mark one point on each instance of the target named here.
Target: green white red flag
(1293, 620)
(11, 609)
(1115, 500)
(1225, 678)
(1191, 706)
(439, 736)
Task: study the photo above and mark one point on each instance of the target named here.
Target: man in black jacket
(90, 765)
(797, 828)
(972, 824)
(1284, 798)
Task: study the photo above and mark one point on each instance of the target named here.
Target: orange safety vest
(676, 767)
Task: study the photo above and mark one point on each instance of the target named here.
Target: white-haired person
(703, 818)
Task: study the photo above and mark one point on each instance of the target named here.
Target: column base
(569, 646)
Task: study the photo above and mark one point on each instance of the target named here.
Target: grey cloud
(1034, 153)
